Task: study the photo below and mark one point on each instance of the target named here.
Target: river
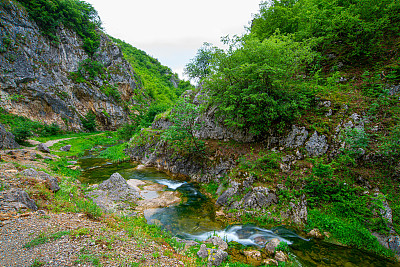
(195, 219)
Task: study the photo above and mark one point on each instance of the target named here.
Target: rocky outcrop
(114, 194)
(18, 199)
(51, 182)
(35, 80)
(7, 140)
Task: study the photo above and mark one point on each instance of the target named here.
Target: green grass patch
(62, 136)
(43, 238)
(115, 153)
(350, 233)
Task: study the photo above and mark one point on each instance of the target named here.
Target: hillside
(297, 122)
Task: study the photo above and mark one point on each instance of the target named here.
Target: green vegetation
(23, 128)
(44, 238)
(162, 85)
(89, 121)
(76, 15)
(184, 125)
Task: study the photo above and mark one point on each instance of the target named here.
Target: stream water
(194, 219)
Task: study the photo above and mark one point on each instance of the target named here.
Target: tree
(199, 66)
(252, 82)
(184, 118)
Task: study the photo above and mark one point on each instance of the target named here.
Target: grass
(37, 263)
(349, 233)
(43, 238)
(115, 153)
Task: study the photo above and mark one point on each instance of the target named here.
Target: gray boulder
(317, 145)
(66, 148)
(218, 241)
(19, 198)
(43, 148)
(216, 257)
(114, 194)
(51, 181)
(203, 252)
(7, 140)
(30, 172)
(271, 245)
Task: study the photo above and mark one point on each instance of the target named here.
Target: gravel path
(48, 143)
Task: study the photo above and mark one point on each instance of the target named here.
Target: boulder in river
(114, 194)
(271, 245)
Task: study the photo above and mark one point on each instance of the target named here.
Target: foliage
(89, 121)
(200, 66)
(44, 238)
(76, 15)
(356, 30)
(184, 124)
(158, 81)
(391, 143)
(351, 233)
(22, 133)
(282, 246)
(252, 84)
(88, 70)
(356, 140)
(23, 128)
(111, 91)
(115, 153)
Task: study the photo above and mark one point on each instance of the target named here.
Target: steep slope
(59, 82)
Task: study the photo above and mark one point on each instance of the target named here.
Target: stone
(43, 148)
(218, 241)
(315, 233)
(281, 256)
(269, 262)
(30, 172)
(394, 244)
(203, 251)
(271, 245)
(39, 72)
(20, 199)
(66, 148)
(216, 257)
(317, 145)
(298, 212)
(114, 194)
(51, 181)
(296, 137)
(188, 243)
(253, 255)
(72, 162)
(7, 139)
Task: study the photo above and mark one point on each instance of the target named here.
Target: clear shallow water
(194, 219)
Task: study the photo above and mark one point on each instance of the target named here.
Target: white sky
(173, 30)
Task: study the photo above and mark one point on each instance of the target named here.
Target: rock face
(19, 199)
(35, 75)
(114, 194)
(7, 140)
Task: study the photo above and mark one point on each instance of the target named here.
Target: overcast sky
(173, 30)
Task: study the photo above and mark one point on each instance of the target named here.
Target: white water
(171, 184)
(244, 235)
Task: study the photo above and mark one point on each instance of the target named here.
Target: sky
(173, 30)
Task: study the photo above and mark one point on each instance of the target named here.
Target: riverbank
(68, 224)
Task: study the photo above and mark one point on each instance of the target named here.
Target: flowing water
(194, 219)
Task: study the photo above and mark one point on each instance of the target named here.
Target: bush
(21, 133)
(89, 121)
(252, 82)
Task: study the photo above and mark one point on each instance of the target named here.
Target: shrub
(89, 121)
(21, 133)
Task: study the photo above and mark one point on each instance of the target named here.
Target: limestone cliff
(35, 79)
